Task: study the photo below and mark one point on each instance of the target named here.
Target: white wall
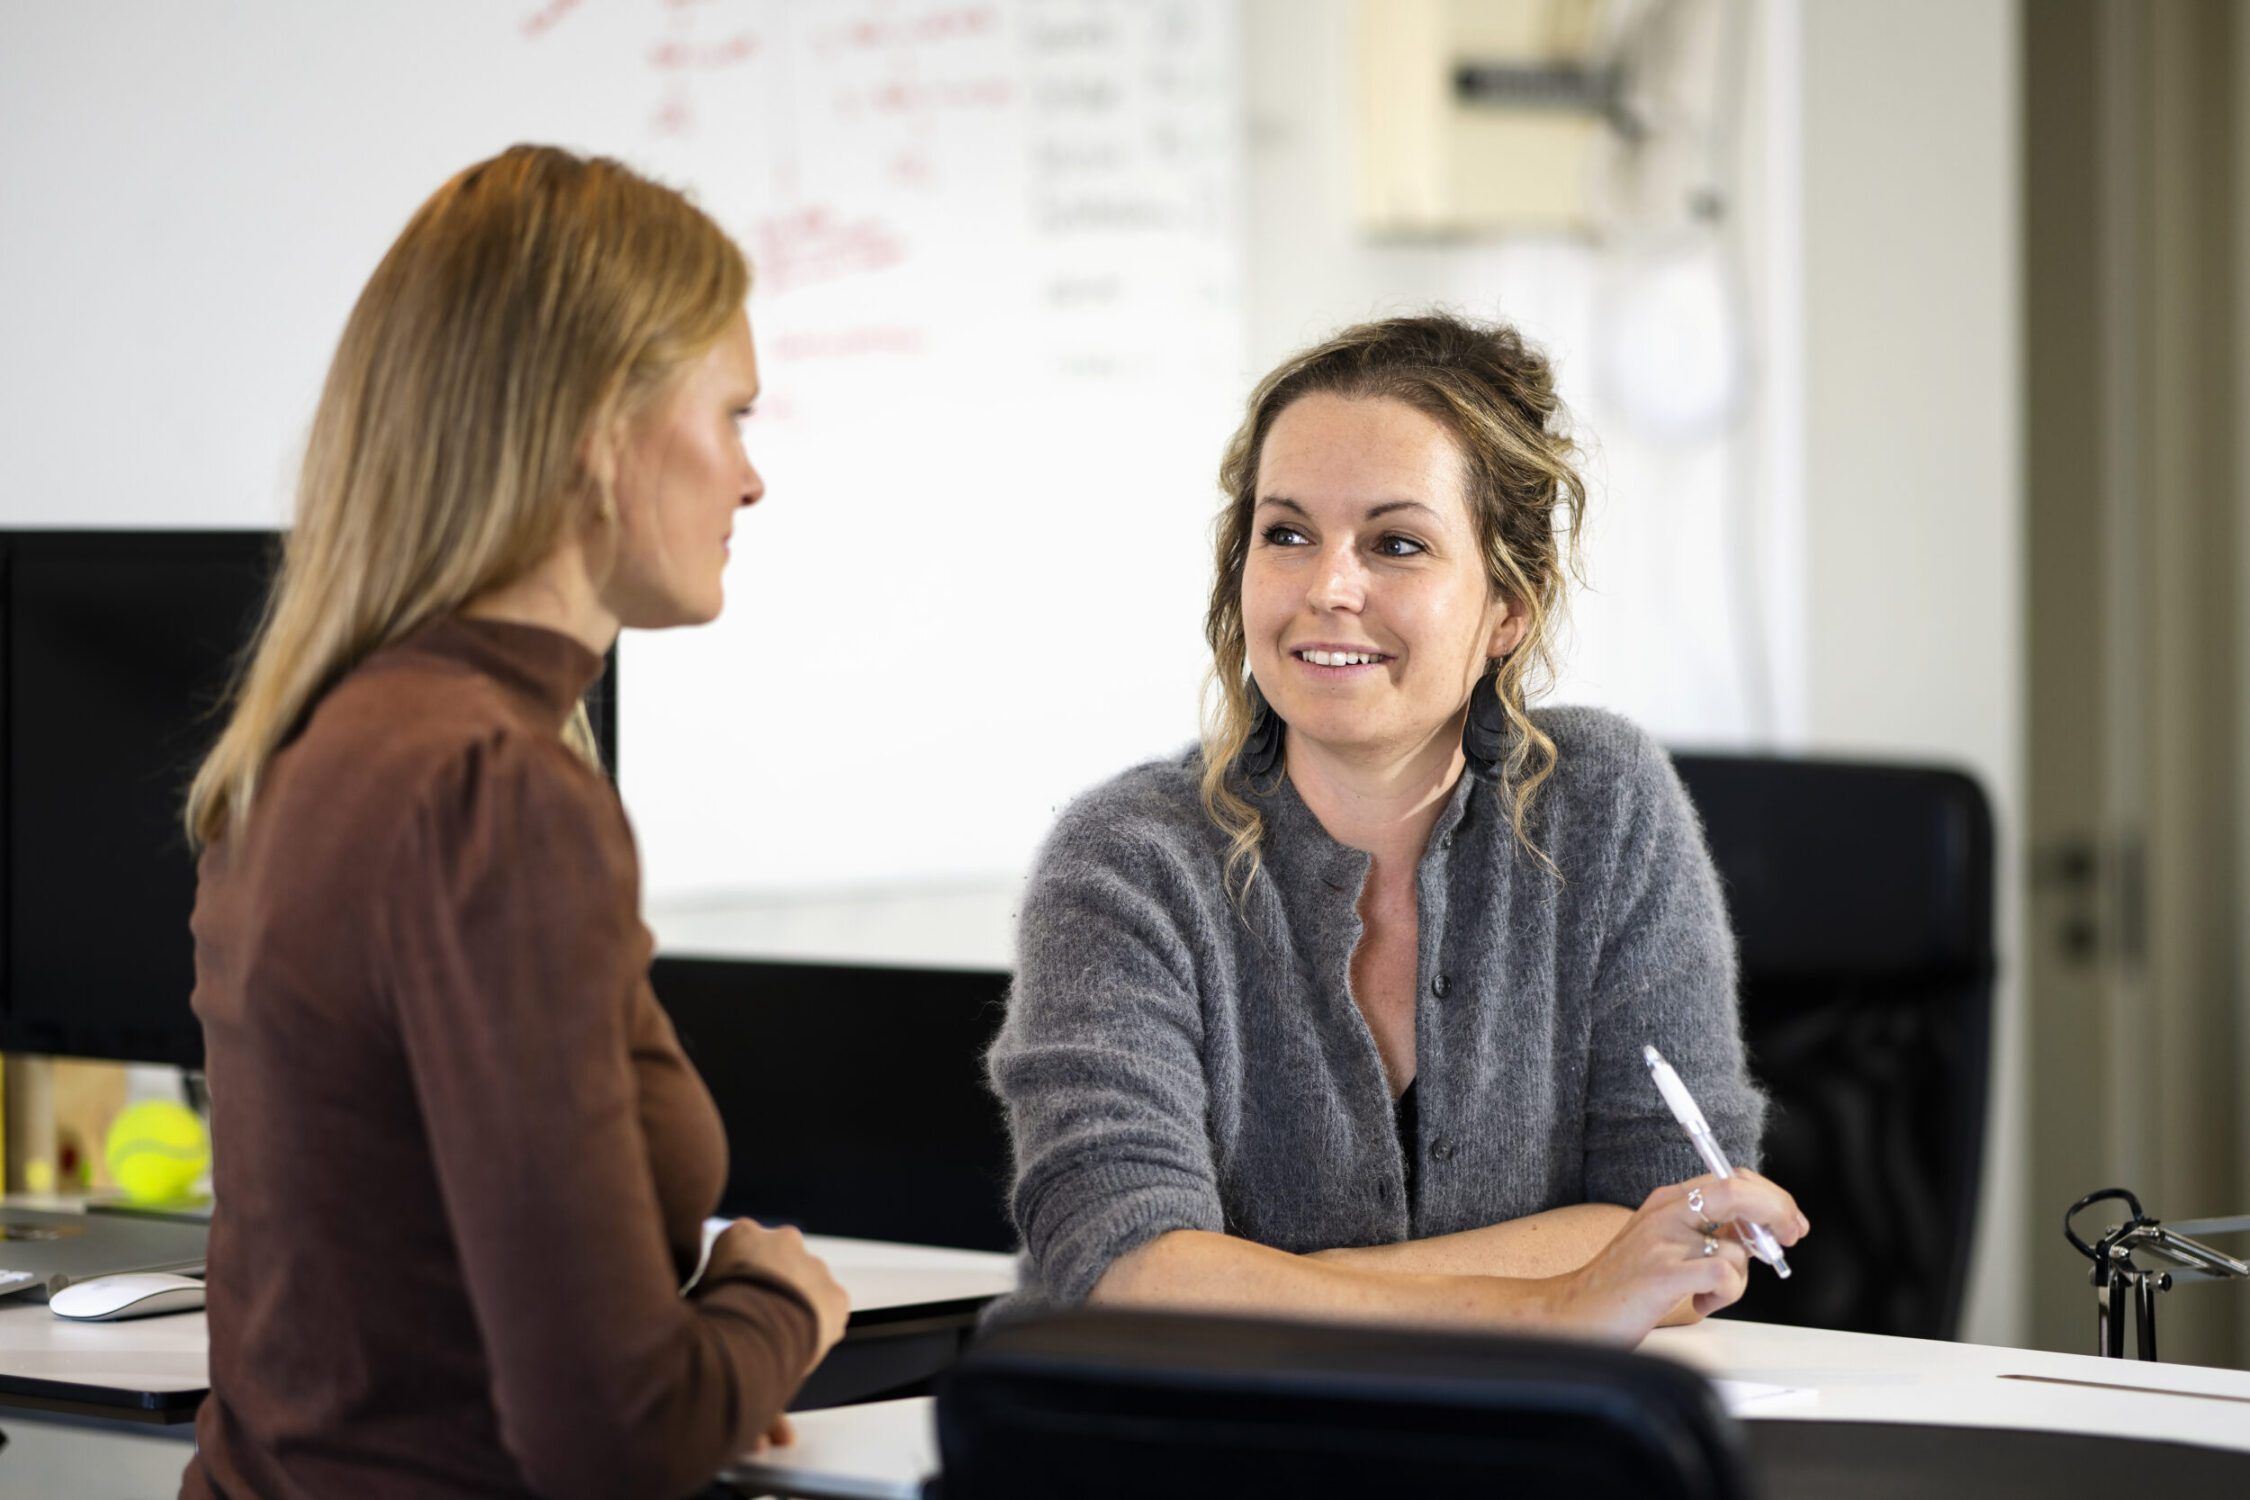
(1913, 482)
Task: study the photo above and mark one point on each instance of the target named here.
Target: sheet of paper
(1747, 1398)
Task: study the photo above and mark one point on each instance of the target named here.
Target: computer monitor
(854, 1096)
(116, 648)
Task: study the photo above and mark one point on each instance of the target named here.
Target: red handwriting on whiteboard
(851, 343)
(815, 245)
(951, 24)
(540, 21)
(668, 56)
(905, 96)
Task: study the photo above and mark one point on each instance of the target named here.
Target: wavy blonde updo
(536, 300)
(1496, 396)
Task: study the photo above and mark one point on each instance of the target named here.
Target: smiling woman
(1342, 1012)
(1462, 416)
(1400, 569)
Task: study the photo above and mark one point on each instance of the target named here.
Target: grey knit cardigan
(1172, 1059)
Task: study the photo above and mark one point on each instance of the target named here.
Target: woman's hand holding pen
(1679, 1246)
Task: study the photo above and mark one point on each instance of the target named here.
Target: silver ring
(1710, 1246)
(1695, 1201)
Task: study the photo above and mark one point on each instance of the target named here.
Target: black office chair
(1096, 1405)
(1861, 897)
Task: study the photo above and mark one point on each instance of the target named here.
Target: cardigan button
(1440, 985)
(1441, 1149)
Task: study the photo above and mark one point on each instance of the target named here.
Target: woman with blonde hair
(462, 1163)
(1341, 1013)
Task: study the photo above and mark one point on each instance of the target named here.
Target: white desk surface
(1858, 1377)
(878, 1450)
(886, 1450)
(170, 1352)
(165, 1353)
(881, 1275)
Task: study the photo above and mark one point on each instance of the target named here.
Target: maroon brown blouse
(462, 1164)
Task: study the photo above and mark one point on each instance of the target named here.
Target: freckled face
(1365, 605)
(682, 474)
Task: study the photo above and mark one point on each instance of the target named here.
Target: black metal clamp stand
(2116, 1277)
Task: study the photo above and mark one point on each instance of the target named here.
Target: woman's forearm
(1668, 1261)
(1539, 1245)
(1199, 1270)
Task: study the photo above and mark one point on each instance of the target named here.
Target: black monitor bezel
(181, 1043)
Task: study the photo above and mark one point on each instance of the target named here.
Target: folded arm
(1651, 1267)
(1542, 1244)
(1208, 1272)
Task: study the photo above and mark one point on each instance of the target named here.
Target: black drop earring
(1486, 727)
(1261, 752)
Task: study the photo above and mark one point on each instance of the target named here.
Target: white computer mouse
(143, 1294)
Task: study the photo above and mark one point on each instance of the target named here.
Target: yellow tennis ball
(157, 1150)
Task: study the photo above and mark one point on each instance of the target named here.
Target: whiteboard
(998, 251)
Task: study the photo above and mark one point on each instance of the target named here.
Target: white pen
(1690, 1115)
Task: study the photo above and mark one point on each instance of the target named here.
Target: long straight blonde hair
(536, 301)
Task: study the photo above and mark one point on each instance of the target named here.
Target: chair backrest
(1862, 903)
(1096, 1405)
